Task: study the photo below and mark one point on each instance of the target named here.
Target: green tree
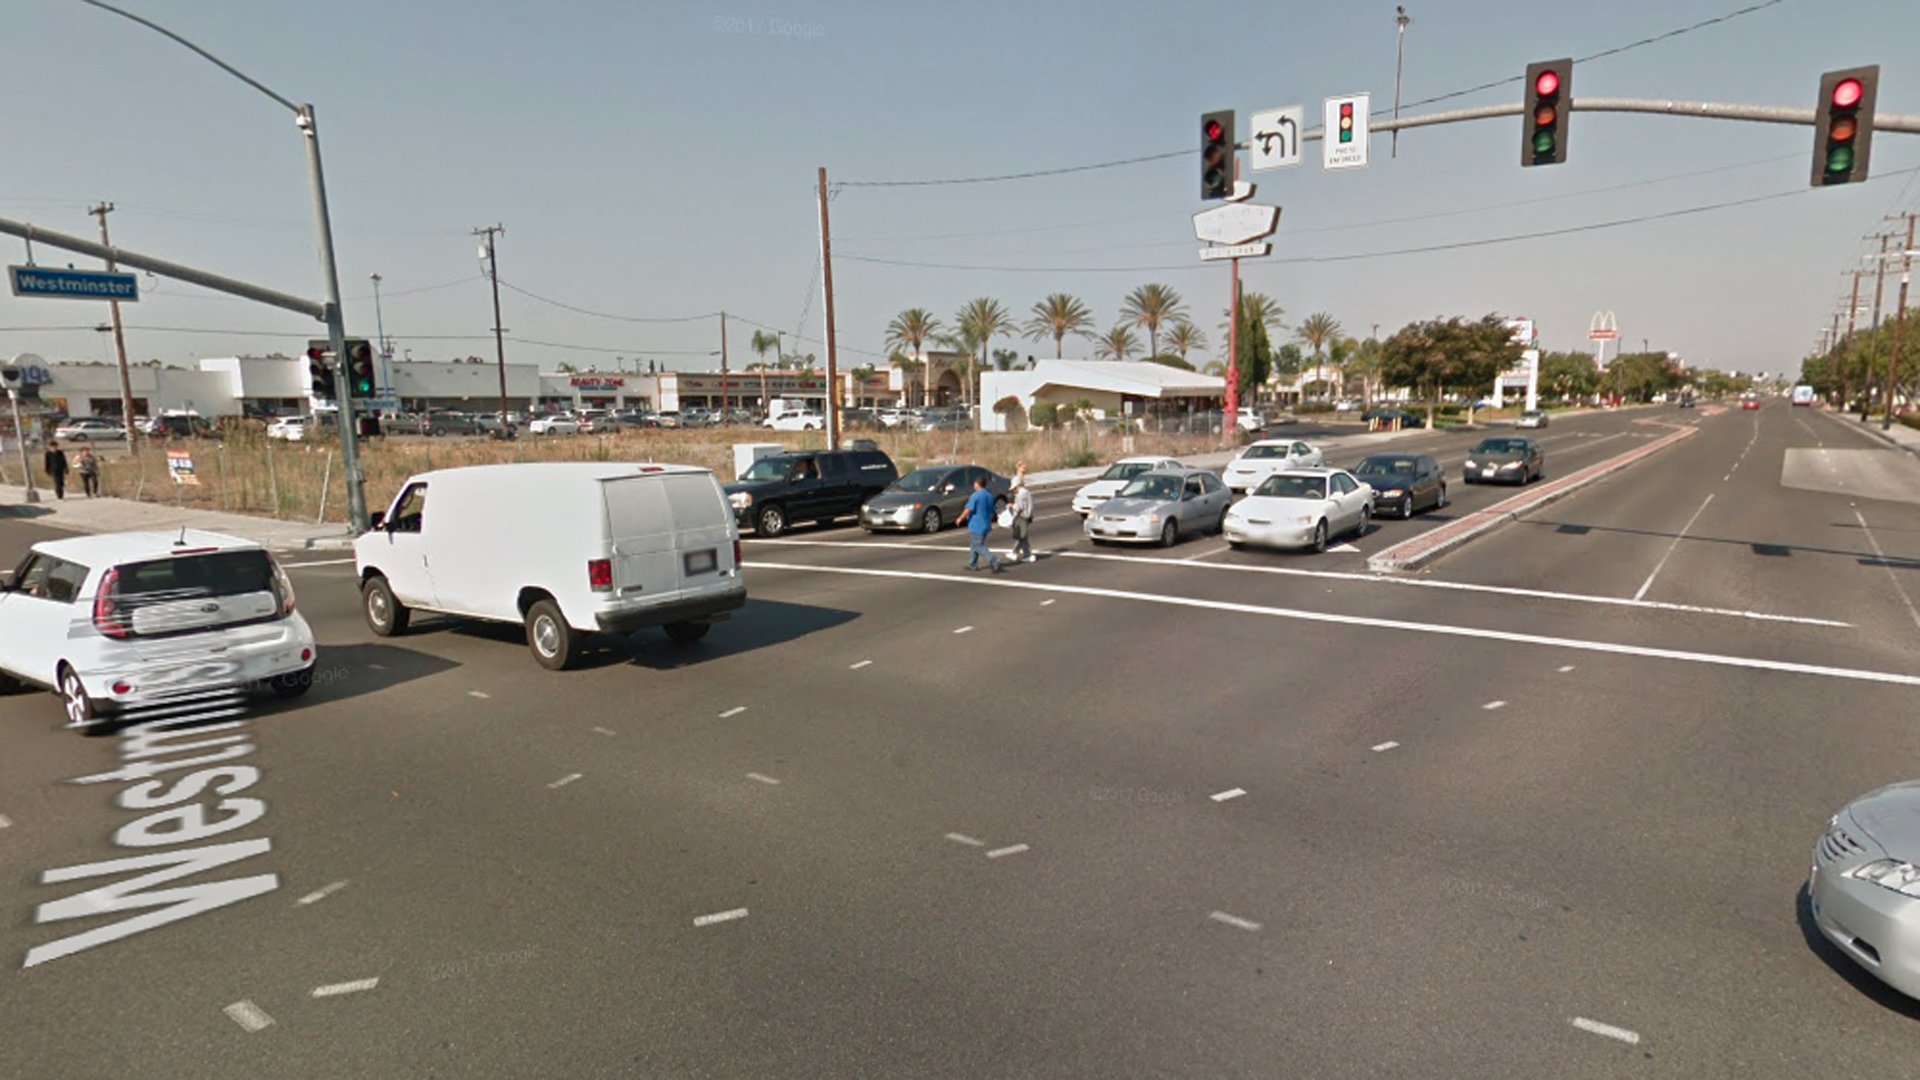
(1185, 337)
(1568, 376)
(1005, 359)
(1254, 357)
(1214, 367)
(1117, 344)
(1316, 332)
(910, 331)
(1262, 309)
(1639, 376)
(983, 319)
(908, 366)
(1170, 361)
(1436, 354)
(1056, 316)
(1150, 307)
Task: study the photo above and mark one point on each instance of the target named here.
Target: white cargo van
(564, 548)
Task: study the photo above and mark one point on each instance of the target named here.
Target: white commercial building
(1115, 389)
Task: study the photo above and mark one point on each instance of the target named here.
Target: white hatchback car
(125, 619)
(1109, 483)
(1266, 457)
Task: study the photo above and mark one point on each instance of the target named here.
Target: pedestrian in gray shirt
(1022, 507)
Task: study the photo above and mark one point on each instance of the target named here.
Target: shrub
(1009, 408)
(1912, 420)
(1080, 457)
(1044, 415)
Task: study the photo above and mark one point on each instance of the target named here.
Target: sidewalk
(81, 514)
(1899, 435)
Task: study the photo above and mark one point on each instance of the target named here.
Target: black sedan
(1506, 459)
(929, 499)
(1403, 484)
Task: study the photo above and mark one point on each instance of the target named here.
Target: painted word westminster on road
(187, 809)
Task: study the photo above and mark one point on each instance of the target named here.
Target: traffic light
(359, 368)
(1216, 154)
(1544, 124)
(1843, 125)
(319, 372)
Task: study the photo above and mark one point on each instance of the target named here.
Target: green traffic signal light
(1543, 144)
(1840, 160)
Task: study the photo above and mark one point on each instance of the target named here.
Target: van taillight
(736, 552)
(600, 574)
(107, 616)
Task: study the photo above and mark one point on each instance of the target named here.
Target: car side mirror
(378, 520)
(6, 581)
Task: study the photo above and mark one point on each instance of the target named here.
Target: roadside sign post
(1234, 232)
(1276, 137)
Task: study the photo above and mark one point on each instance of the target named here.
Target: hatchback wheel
(772, 521)
(1441, 502)
(555, 644)
(292, 684)
(73, 694)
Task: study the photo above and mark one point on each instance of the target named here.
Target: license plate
(702, 562)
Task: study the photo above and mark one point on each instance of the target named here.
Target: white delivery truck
(566, 549)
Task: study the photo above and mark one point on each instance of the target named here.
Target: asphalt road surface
(1544, 809)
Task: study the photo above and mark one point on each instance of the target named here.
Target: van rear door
(640, 529)
(705, 524)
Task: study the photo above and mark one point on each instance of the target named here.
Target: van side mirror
(378, 520)
(6, 581)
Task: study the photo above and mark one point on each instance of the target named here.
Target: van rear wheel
(686, 633)
(555, 644)
(386, 616)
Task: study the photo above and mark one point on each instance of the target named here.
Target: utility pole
(386, 347)
(826, 285)
(1400, 19)
(499, 332)
(1899, 323)
(1853, 312)
(101, 210)
(1879, 294)
(723, 367)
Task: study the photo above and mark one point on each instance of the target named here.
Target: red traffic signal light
(1216, 154)
(1843, 125)
(1544, 121)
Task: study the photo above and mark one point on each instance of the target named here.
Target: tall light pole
(1400, 19)
(386, 347)
(303, 118)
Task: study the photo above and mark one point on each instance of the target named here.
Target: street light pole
(1400, 20)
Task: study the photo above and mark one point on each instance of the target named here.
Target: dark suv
(175, 426)
(817, 485)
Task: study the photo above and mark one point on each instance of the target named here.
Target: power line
(606, 315)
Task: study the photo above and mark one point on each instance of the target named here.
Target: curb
(1869, 429)
(1430, 546)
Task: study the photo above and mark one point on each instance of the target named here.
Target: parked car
(179, 426)
(1300, 508)
(90, 429)
(449, 422)
(589, 547)
(1266, 457)
(1532, 418)
(491, 424)
(288, 428)
(668, 419)
(797, 421)
(1864, 886)
(401, 423)
(117, 620)
(1389, 416)
(1403, 483)
(1160, 507)
(929, 499)
(1508, 459)
(1109, 483)
(554, 425)
(820, 486)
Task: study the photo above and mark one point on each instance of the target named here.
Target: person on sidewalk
(1022, 508)
(56, 466)
(89, 469)
(978, 518)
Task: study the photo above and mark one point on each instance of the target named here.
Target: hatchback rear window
(220, 573)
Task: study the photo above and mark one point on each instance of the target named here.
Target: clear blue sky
(657, 159)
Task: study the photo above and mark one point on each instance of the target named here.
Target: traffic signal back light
(1544, 124)
(1843, 125)
(1216, 154)
(319, 372)
(359, 368)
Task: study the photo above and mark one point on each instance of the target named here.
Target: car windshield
(1276, 450)
(1292, 487)
(768, 468)
(1152, 486)
(1125, 470)
(920, 480)
(1501, 446)
(1386, 466)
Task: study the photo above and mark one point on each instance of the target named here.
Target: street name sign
(73, 284)
(1344, 138)
(1235, 223)
(1276, 137)
(1237, 251)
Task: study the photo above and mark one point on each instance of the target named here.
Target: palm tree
(1316, 332)
(907, 365)
(911, 330)
(963, 343)
(983, 319)
(762, 343)
(1151, 306)
(1057, 316)
(1215, 367)
(1185, 337)
(1260, 308)
(1117, 344)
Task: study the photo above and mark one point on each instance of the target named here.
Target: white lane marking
(316, 562)
(1045, 603)
(336, 989)
(861, 664)
(478, 694)
(1564, 668)
(963, 630)
(1385, 746)
(378, 667)
(321, 893)
(963, 838)
(1221, 550)
(720, 917)
(1631, 1038)
(1013, 849)
(762, 778)
(606, 731)
(1891, 576)
(735, 711)
(1726, 478)
(1342, 549)
(1652, 652)
(1234, 920)
(565, 780)
(1682, 535)
(1230, 793)
(1377, 579)
(1492, 705)
(5, 822)
(249, 1016)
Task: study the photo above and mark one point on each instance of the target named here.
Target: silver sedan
(1865, 884)
(1160, 507)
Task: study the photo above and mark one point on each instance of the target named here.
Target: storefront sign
(597, 382)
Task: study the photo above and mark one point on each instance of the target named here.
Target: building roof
(1130, 377)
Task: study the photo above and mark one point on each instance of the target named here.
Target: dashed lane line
(1631, 1038)
(315, 562)
(565, 780)
(1230, 793)
(735, 711)
(1492, 705)
(1651, 652)
(1234, 921)
(1384, 747)
(762, 778)
(720, 917)
(1682, 535)
(964, 630)
(478, 694)
(249, 1016)
(963, 838)
(321, 893)
(1012, 849)
(605, 731)
(1881, 556)
(1564, 668)
(337, 989)
(861, 664)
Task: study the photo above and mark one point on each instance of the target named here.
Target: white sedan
(1269, 456)
(797, 421)
(288, 429)
(1109, 483)
(90, 429)
(554, 425)
(1300, 508)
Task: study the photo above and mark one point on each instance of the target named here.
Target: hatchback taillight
(600, 575)
(108, 616)
(282, 586)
